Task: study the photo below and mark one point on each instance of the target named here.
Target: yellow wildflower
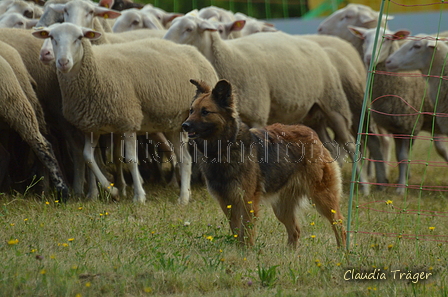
(431, 228)
(13, 241)
(71, 239)
(229, 206)
(388, 202)
(312, 223)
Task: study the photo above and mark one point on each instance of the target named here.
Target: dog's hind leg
(285, 210)
(326, 196)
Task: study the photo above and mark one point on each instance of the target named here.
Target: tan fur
(240, 183)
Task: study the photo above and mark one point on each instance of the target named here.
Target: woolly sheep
(254, 25)
(428, 56)
(119, 4)
(140, 86)
(396, 95)
(279, 77)
(164, 17)
(222, 15)
(352, 15)
(21, 116)
(47, 90)
(352, 73)
(22, 7)
(16, 20)
(132, 19)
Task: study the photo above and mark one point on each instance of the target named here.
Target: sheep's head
(82, 12)
(352, 15)
(189, 29)
(413, 55)
(66, 40)
(384, 42)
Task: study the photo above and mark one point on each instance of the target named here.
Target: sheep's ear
(222, 93)
(41, 33)
(194, 12)
(57, 7)
(207, 26)
(170, 16)
(106, 3)
(366, 17)
(237, 25)
(148, 23)
(31, 23)
(401, 34)
(201, 86)
(432, 43)
(106, 13)
(90, 34)
(357, 31)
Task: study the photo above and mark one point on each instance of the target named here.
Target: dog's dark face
(211, 111)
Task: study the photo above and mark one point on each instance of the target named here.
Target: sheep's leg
(342, 136)
(402, 154)
(91, 183)
(130, 144)
(180, 143)
(91, 141)
(79, 167)
(441, 148)
(120, 182)
(374, 143)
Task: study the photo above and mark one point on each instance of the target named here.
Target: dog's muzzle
(188, 128)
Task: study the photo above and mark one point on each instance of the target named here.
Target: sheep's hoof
(140, 198)
(62, 194)
(365, 190)
(183, 200)
(400, 190)
(114, 192)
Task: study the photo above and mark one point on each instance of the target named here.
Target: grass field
(104, 248)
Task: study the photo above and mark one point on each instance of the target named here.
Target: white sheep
(279, 77)
(254, 25)
(140, 86)
(21, 111)
(222, 15)
(165, 18)
(396, 100)
(22, 7)
(428, 55)
(352, 15)
(16, 20)
(133, 19)
(47, 90)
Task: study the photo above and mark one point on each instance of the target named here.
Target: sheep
(165, 18)
(357, 15)
(280, 77)
(132, 19)
(140, 86)
(21, 116)
(427, 55)
(396, 95)
(352, 72)
(254, 25)
(16, 20)
(119, 4)
(22, 7)
(47, 90)
(222, 15)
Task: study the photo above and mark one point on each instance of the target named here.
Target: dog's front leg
(242, 215)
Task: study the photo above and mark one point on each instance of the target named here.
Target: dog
(280, 164)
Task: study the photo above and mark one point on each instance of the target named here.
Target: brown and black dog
(280, 164)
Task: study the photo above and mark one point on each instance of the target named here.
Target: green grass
(103, 248)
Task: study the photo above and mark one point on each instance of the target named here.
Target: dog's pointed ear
(222, 93)
(201, 86)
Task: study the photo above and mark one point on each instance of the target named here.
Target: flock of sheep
(117, 67)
